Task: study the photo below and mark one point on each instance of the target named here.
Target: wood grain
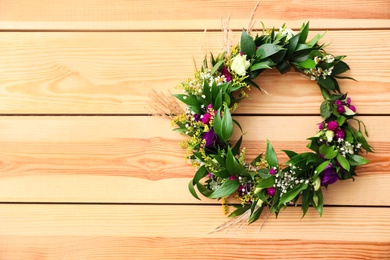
(112, 72)
(181, 221)
(118, 248)
(188, 14)
(124, 159)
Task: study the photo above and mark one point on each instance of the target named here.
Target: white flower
(329, 135)
(286, 32)
(240, 64)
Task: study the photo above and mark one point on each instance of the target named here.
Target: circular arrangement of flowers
(214, 92)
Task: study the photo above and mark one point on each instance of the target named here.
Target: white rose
(240, 64)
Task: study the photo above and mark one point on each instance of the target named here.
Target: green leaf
(291, 194)
(227, 125)
(227, 188)
(356, 160)
(218, 100)
(321, 167)
(267, 50)
(222, 174)
(200, 173)
(343, 162)
(326, 109)
(236, 148)
(239, 211)
(315, 39)
(203, 190)
(192, 190)
(259, 66)
(247, 45)
(216, 67)
(327, 83)
(303, 33)
(308, 64)
(340, 67)
(255, 215)
(290, 154)
(266, 183)
(329, 152)
(292, 45)
(283, 67)
(270, 155)
(188, 100)
(320, 202)
(305, 201)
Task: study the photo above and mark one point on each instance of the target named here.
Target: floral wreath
(214, 92)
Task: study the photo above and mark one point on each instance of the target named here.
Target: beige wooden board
(229, 248)
(188, 14)
(190, 221)
(107, 73)
(125, 158)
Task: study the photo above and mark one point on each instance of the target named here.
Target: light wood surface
(85, 173)
(188, 14)
(113, 72)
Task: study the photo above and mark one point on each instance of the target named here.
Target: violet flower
(328, 175)
(210, 138)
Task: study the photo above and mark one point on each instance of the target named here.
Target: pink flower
(338, 102)
(272, 171)
(340, 109)
(271, 191)
(232, 177)
(227, 74)
(352, 108)
(332, 125)
(206, 118)
(339, 134)
(349, 101)
(320, 126)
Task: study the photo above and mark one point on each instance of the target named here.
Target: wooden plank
(230, 248)
(124, 159)
(188, 14)
(368, 224)
(109, 73)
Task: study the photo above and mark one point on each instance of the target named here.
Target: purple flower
(339, 134)
(232, 177)
(320, 126)
(206, 118)
(328, 175)
(338, 102)
(272, 171)
(332, 125)
(340, 109)
(210, 138)
(196, 117)
(227, 74)
(209, 106)
(352, 108)
(244, 189)
(271, 191)
(349, 101)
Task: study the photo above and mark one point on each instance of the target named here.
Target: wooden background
(86, 173)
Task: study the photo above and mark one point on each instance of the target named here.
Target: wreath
(215, 91)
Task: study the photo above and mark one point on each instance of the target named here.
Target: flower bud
(317, 183)
(260, 203)
(329, 135)
(315, 200)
